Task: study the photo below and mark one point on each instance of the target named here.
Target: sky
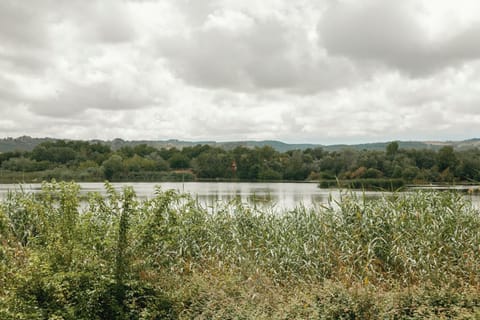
(311, 71)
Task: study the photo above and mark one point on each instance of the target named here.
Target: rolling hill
(26, 143)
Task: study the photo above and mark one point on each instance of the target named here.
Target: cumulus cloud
(303, 71)
(394, 34)
(24, 36)
(244, 51)
(74, 98)
(21, 24)
(224, 53)
(103, 22)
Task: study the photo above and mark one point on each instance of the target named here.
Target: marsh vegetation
(405, 256)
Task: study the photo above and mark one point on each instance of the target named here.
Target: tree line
(88, 161)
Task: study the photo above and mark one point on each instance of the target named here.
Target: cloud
(242, 51)
(8, 90)
(22, 25)
(24, 36)
(305, 71)
(394, 34)
(73, 99)
(78, 66)
(104, 22)
(224, 53)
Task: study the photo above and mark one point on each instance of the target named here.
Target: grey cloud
(25, 61)
(463, 46)
(196, 11)
(224, 127)
(9, 92)
(23, 23)
(74, 99)
(110, 24)
(30, 33)
(98, 21)
(268, 55)
(110, 29)
(24, 36)
(390, 33)
(224, 58)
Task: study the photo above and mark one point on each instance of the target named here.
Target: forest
(88, 161)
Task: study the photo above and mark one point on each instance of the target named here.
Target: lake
(283, 196)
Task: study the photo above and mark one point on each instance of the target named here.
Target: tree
(317, 153)
(144, 150)
(179, 161)
(213, 164)
(296, 168)
(24, 164)
(138, 164)
(446, 158)
(62, 154)
(112, 166)
(392, 148)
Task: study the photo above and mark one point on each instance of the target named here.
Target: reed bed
(403, 256)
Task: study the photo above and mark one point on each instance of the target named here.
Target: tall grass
(400, 256)
(404, 238)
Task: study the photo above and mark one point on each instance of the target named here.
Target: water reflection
(284, 196)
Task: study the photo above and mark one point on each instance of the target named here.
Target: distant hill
(380, 146)
(277, 145)
(26, 143)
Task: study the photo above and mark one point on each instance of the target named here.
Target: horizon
(249, 140)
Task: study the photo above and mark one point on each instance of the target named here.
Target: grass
(404, 256)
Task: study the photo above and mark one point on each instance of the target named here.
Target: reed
(415, 253)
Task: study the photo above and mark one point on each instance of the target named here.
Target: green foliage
(78, 265)
(84, 161)
(212, 164)
(139, 164)
(24, 164)
(392, 148)
(446, 158)
(179, 161)
(112, 166)
(403, 256)
(8, 155)
(372, 173)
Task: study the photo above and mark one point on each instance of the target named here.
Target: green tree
(24, 164)
(392, 148)
(160, 163)
(296, 168)
(179, 161)
(213, 164)
(112, 166)
(446, 158)
(138, 164)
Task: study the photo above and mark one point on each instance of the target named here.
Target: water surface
(284, 195)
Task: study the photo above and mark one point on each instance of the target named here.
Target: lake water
(280, 195)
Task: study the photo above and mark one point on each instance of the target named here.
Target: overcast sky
(333, 71)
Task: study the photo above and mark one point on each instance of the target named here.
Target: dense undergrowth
(404, 256)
